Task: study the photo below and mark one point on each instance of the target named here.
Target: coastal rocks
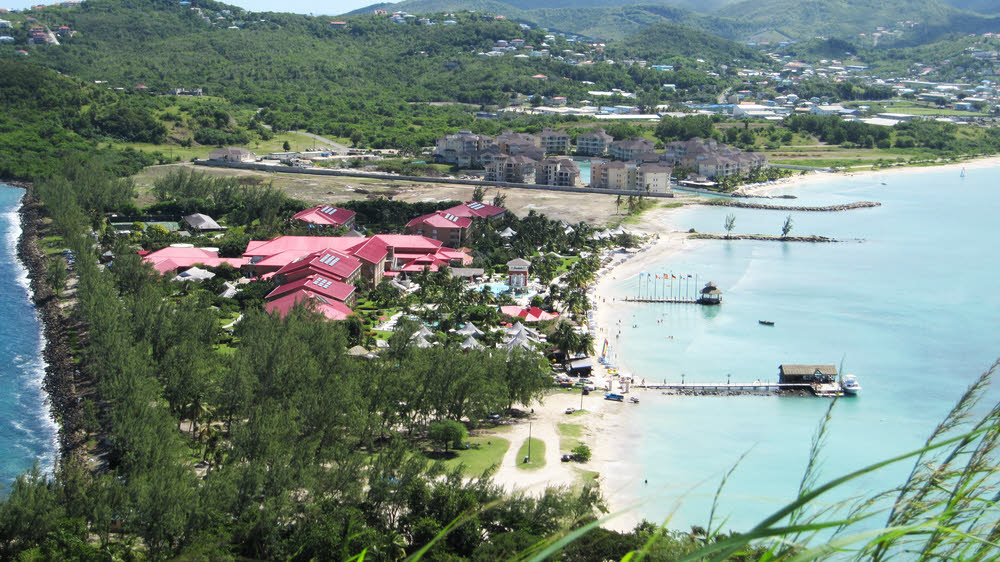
(828, 208)
(765, 237)
(60, 373)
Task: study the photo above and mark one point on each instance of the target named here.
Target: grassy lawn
(672, 205)
(569, 436)
(484, 451)
(537, 454)
(566, 264)
(587, 476)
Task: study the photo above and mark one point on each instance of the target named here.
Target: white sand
(609, 429)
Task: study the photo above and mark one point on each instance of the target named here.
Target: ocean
(907, 302)
(27, 432)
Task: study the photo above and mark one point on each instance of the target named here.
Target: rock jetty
(766, 237)
(828, 208)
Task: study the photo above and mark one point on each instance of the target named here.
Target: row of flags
(665, 276)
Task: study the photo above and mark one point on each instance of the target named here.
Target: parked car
(567, 458)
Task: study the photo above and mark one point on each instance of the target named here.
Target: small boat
(633, 400)
(851, 385)
(766, 322)
(883, 183)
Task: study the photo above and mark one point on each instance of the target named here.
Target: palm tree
(730, 224)
(618, 203)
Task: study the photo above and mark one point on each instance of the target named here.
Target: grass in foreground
(569, 435)
(484, 451)
(537, 459)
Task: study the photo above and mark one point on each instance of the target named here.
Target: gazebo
(471, 343)
(469, 329)
(423, 332)
(710, 294)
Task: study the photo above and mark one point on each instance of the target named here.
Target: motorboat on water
(850, 385)
(766, 322)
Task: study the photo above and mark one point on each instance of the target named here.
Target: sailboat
(963, 173)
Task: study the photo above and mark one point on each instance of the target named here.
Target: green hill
(747, 20)
(665, 40)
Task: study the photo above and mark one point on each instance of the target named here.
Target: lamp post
(529, 444)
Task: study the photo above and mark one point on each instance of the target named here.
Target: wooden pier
(749, 389)
(666, 300)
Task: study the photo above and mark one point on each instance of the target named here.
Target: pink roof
(172, 258)
(441, 219)
(304, 244)
(332, 310)
(533, 314)
(325, 215)
(317, 284)
(330, 262)
(474, 209)
(371, 250)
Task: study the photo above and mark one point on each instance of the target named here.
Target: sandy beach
(609, 428)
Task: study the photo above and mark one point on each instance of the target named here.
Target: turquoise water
(908, 304)
(584, 165)
(27, 433)
(498, 288)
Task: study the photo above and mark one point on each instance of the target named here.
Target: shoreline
(60, 372)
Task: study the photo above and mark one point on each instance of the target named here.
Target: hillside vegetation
(738, 21)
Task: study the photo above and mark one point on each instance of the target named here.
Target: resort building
(512, 169)
(594, 144)
(465, 148)
(326, 215)
(630, 176)
(328, 263)
(331, 309)
(179, 257)
(477, 210)
(711, 159)
(512, 144)
(383, 255)
(441, 226)
(557, 171)
(629, 149)
(517, 274)
(554, 142)
(203, 223)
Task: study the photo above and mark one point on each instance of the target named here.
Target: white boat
(850, 385)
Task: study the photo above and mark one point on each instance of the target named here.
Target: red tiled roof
(533, 314)
(441, 219)
(172, 258)
(329, 262)
(475, 209)
(304, 244)
(325, 215)
(332, 310)
(317, 284)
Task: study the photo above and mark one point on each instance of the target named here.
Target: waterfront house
(511, 169)
(629, 149)
(554, 141)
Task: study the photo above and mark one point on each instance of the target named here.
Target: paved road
(336, 146)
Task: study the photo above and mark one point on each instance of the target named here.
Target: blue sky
(317, 7)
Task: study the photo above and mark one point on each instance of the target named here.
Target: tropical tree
(730, 224)
(787, 227)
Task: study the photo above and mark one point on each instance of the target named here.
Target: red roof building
(333, 290)
(380, 255)
(179, 257)
(325, 215)
(331, 309)
(329, 263)
(475, 209)
(533, 314)
(441, 226)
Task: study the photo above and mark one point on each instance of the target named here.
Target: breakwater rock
(60, 380)
(828, 208)
(767, 237)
